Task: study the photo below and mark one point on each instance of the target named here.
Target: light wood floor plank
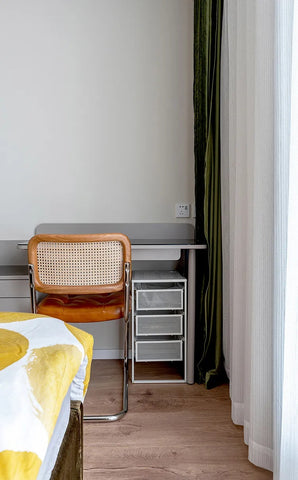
(170, 432)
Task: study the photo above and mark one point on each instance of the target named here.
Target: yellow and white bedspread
(41, 360)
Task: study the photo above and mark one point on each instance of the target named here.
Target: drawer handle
(22, 246)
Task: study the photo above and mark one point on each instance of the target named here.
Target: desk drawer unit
(14, 289)
(159, 325)
(15, 304)
(159, 299)
(158, 350)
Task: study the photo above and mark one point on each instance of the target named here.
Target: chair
(86, 278)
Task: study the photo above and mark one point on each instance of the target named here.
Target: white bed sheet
(45, 364)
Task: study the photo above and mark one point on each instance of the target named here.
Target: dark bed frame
(69, 463)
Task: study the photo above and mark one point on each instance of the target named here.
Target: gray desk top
(143, 236)
(154, 243)
(140, 243)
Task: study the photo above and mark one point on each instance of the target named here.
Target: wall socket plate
(182, 210)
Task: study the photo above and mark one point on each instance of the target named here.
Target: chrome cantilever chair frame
(127, 285)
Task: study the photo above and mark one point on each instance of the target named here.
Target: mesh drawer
(158, 351)
(159, 299)
(159, 325)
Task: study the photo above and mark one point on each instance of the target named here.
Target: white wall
(96, 117)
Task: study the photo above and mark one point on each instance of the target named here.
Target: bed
(44, 375)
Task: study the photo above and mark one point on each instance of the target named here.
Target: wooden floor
(171, 432)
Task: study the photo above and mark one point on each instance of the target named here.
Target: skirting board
(108, 354)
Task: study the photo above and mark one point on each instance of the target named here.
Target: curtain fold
(283, 49)
(286, 324)
(260, 230)
(207, 47)
(248, 220)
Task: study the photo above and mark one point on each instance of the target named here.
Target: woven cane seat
(83, 308)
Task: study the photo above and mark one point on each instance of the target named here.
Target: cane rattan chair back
(86, 278)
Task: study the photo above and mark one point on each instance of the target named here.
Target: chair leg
(117, 416)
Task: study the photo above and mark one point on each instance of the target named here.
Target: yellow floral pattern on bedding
(41, 358)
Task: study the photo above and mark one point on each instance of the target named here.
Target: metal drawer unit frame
(159, 320)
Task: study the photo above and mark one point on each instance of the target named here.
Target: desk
(154, 246)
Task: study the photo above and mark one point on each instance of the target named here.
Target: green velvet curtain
(207, 46)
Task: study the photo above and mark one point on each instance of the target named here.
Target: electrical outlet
(182, 210)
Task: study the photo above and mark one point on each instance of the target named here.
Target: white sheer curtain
(260, 226)
(286, 466)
